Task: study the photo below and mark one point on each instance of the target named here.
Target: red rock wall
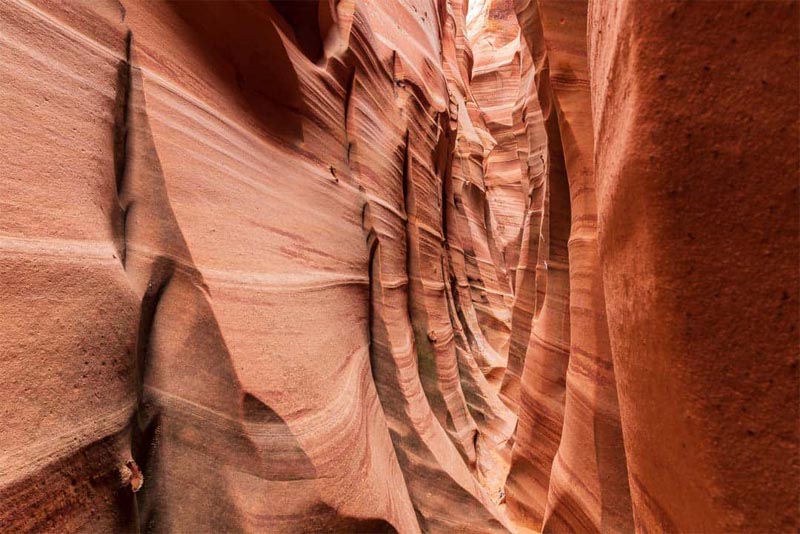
(569, 472)
(258, 256)
(664, 370)
(697, 126)
(403, 265)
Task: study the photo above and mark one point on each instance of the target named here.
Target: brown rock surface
(697, 135)
(399, 266)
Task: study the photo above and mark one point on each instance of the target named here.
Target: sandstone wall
(697, 126)
(251, 246)
(689, 335)
(399, 266)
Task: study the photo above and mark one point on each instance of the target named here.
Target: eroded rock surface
(399, 266)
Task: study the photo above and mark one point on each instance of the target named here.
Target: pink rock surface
(581, 464)
(399, 266)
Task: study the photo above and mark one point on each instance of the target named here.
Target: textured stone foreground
(399, 266)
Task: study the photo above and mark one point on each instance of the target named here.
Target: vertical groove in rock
(588, 483)
(541, 403)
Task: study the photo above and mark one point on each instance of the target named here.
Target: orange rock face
(399, 266)
(697, 164)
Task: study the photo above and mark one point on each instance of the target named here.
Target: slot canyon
(361, 266)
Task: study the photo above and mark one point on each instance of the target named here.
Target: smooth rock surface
(399, 266)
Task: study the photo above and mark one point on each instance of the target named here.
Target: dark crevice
(122, 105)
(407, 206)
(406, 172)
(126, 211)
(161, 274)
(348, 97)
(397, 75)
(145, 424)
(373, 243)
(447, 177)
(121, 111)
(145, 429)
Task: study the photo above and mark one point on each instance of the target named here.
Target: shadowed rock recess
(399, 266)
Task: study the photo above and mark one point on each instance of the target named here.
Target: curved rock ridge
(399, 266)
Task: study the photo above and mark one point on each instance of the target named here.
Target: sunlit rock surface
(399, 266)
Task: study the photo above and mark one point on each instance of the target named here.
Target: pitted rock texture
(399, 266)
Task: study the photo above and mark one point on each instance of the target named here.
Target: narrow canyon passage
(399, 266)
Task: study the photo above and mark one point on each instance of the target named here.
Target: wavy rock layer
(276, 281)
(399, 266)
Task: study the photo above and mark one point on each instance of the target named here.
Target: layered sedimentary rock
(404, 265)
(569, 471)
(264, 275)
(569, 444)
